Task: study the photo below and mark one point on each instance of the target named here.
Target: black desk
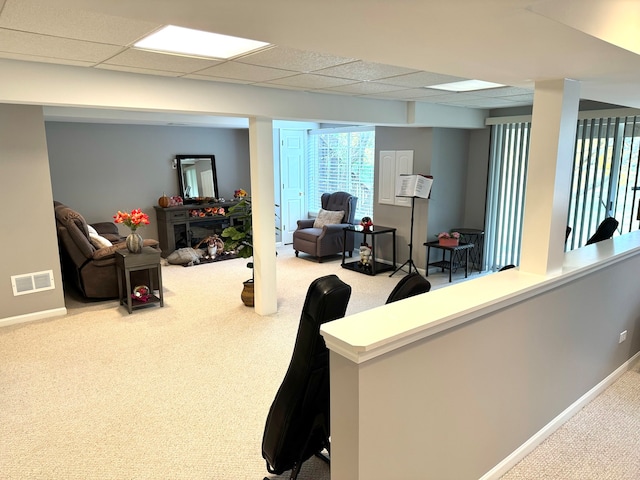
(375, 267)
(454, 256)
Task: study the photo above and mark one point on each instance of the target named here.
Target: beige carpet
(180, 392)
(176, 392)
(601, 442)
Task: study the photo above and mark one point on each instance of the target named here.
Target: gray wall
(477, 174)
(420, 140)
(99, 169)
(449, 170)
(29, 242)
(444, 154)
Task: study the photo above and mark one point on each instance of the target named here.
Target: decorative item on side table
(141, 293)
(367, 224)
(133, 220)
(449, 239)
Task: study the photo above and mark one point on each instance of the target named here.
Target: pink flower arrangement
(455, 235)
(137, 218)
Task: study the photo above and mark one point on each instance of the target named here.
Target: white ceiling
(373, 48)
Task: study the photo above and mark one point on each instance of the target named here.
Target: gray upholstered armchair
(323, 235)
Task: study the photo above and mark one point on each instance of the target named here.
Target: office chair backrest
(297, 425)
(412, 284)
(604, 231)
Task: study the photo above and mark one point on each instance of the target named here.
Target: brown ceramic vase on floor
(247, 293)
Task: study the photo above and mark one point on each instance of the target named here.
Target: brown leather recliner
(92, 270)
(328, 239)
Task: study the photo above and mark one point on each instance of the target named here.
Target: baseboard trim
(509, 462)
(32, 317)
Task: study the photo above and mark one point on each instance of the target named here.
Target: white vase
(134, 242)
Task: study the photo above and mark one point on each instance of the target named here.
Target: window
(341, 160)
(604, 183)
(605, 175)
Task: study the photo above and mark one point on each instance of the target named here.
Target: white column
(263, 209)
(551, 150)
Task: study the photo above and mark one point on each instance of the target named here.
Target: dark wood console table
(185, 225)
(375, 267)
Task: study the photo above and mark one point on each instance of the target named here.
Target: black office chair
(412, 284)
(297, 425)
(604, 231)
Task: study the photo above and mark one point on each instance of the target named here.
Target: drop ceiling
(373, 49)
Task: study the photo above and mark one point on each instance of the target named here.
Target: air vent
(32, 282)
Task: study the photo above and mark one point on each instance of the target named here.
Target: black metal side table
(374, 267)
(452, 263)
(127, 262)
(475, 236)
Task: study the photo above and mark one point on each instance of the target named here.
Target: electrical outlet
(623, 337)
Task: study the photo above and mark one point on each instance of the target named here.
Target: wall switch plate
(623, 337)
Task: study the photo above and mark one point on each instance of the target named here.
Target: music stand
(414, 186)
(410, 261)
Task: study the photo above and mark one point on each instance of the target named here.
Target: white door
(292, 166)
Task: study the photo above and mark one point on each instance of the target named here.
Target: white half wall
(447, 384)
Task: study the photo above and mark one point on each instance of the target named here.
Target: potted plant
(449, 239)
(239, 239)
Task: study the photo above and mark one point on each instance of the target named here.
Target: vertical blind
(605, 176)
(505, 194)
(604, 183)
(341, 160)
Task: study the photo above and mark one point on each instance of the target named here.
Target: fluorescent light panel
(185, 41)
(465, 86)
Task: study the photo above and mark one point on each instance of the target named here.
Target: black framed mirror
(197, 177)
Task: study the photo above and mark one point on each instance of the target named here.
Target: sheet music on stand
(408, 185)
(413, 186)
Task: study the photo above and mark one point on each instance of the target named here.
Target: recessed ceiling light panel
(185, 41)
(465, 86)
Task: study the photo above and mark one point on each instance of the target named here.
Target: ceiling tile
(308, 80)
(527, 99)
(43, 16)
(209, 78)
(159, 61)
(146, 71)
(420, 79)
(281, 87)
(241, 71)
(35, 58)
(291, 59)
(364, 71)
(364, 88)
(410, 94)
(486, 102)
(503, 92)
(450, 97)
(62, 48)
